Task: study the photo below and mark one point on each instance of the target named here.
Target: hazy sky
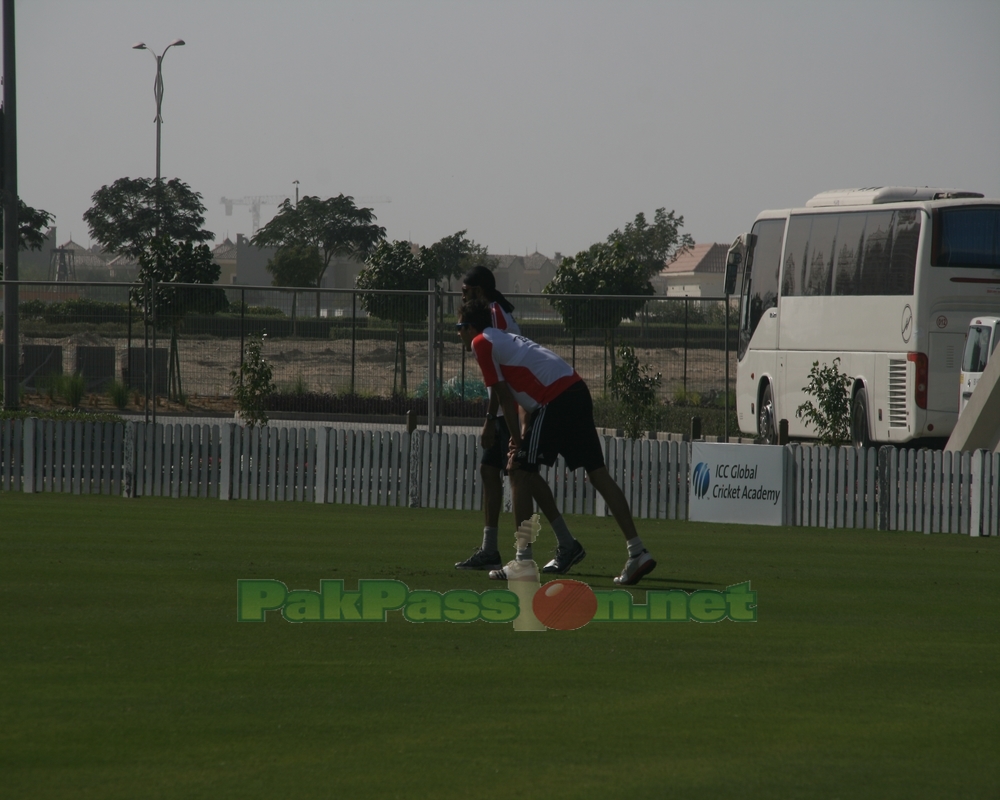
(534, 125)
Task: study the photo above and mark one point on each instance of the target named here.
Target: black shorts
(496, 456)
(563, 427)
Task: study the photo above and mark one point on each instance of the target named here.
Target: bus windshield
(977, 348)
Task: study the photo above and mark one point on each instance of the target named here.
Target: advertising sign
(737, 483)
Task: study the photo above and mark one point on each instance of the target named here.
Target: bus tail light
(920, 378)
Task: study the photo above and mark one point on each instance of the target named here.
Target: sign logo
(700, 479)
(558, 605)
(906, 323)
(942, 321)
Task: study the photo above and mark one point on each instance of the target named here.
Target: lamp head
(139, 46)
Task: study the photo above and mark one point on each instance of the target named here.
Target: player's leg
(615, 499)
(492, 495)
(581, 446)
(491, 467)
(568, 550)
(540, 446)
(639, 561)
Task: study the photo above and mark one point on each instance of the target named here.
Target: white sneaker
(516, 570)
(635, 568)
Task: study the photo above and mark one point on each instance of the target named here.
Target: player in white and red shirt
(560, 421)
(479, 284)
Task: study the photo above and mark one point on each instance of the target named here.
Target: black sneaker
(565, 558)
(481, 560)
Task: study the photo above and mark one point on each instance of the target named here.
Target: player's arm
(510, 410)
(489, 427)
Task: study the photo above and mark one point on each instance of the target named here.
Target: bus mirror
(733, 261)
(739, 256)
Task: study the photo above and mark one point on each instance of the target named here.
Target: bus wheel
(767, 431)
(860, 437)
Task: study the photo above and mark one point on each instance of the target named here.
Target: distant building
(225, 256)
(251, 263)
(700, 272)
(525, 274)
(250, 266)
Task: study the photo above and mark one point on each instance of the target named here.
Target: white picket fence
(896, 490)
(834, 487)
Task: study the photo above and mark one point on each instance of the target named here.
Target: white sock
(490, 540)
(635, 547)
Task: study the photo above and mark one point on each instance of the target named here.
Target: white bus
(887, 279)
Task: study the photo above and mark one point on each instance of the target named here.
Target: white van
(980, 342)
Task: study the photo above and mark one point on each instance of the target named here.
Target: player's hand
(489, 434)
(512, 462)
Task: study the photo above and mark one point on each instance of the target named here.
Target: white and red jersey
(536, 376)
(502, 321)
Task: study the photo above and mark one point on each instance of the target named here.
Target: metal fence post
(152, 362)
(354, 333)
(243, 311)
(431, 354)
(685, 345)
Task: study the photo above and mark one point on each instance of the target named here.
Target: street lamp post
(158, 91)
(149, 366)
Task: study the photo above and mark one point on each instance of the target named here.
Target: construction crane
(255, 203)
(275, 199)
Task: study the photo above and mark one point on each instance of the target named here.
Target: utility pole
(12, 348)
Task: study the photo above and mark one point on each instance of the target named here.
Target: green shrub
(72, 389)
(634, 385)
(830, 415)
(252, 384)
(118, 393)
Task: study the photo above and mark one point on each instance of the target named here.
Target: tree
(31, 224)
(606, 269)
(296, 265)
(335, 226)
(127, 215)
(396, 266)
(454, 255)
(621, 265)
(167, 262)
(653, 246)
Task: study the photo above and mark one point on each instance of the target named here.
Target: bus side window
(875, 260)
(796, 256)
(850, 246)
(903, 261)
(822, 240)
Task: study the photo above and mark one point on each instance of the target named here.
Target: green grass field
(872, 670)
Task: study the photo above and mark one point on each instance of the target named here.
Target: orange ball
(564, 605)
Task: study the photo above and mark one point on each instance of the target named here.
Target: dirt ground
(325, 366)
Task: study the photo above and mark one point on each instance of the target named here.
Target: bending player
(480, 284)
(561, 421)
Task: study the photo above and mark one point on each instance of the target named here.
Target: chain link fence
(90, 345)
